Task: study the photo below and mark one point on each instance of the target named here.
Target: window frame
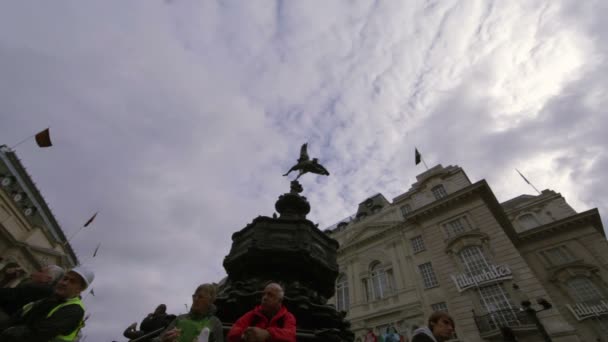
(406, 209)
(589, 286)
(558, 255)
(440, 306)
(428, 273)
(474, 262)
(342, 293)
(439, 191)
(417, 243)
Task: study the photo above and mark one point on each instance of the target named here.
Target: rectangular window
(559, 255)
(456, 227)
(405, 210)
(439, 192)
(498, 304)
(584, 290)
(428, 275)
(473, 260)
(417, 244)
(442, 306)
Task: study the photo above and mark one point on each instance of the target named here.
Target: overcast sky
(176, 119)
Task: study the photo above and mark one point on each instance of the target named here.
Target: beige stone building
(30, 237)
(448, 244)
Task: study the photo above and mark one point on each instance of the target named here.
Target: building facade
(448, 244)
(30, 237)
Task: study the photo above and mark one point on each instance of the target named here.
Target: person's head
(161, 309)
(74, 282)
(49, 274)
(203, 297)
(441, 325)
(272, 298)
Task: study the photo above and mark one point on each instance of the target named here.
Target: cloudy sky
(175, 119)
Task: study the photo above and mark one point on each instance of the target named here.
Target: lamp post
(526, 306)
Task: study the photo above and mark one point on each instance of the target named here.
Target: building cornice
(390, 229)
(17, 170)
(481, 189)
(571, 222)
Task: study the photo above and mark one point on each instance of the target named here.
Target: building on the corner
(30, 237)
(448, 244)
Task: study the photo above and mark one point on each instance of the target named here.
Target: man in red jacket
(268, 322)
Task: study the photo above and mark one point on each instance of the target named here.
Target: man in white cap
(55, 318)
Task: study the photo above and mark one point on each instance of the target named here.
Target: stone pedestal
(292, 251)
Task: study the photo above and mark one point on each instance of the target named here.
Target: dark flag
(90, 220)
(92, 293)
(522, 176)
(43, 139)
(96, 249)
(418, 157)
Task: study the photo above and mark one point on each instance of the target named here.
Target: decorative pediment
(469, 238)
(367, 231)
(37, 238)
(562, 273)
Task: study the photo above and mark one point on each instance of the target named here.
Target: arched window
(528, 221)
(342, 297)
(439, 192)
(379, 281)
(583, 290)
(473, 260)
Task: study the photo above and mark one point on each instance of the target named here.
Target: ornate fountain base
(292, 251)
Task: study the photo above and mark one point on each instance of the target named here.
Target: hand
(171, 335)
(254, 334)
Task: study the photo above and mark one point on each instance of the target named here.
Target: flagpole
(73, 235)
(527, 181)
(22, 141)
(81, 228)
(424, 163)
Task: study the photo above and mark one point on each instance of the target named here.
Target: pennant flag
(43, 139)
(522, 176)
(90, 220)
(96, 249)
(92, 293)
(418, 157)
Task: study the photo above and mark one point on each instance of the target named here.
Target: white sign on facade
(492, 274)
(583, 311)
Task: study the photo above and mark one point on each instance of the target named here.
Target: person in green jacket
(187, 327)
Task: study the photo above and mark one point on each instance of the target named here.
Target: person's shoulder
(421, 337)
(285, 311)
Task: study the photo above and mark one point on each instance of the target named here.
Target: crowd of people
(270, 321)
(48, 307)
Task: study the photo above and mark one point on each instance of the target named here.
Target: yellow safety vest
(61, 338)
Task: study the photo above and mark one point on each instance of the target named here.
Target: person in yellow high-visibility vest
(58, 317)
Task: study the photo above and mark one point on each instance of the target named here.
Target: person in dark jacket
(187, 327)
(40, 285)
(270, 321)
(440, 328)
(58, 317)
(159, 319)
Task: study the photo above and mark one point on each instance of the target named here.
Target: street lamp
(526, 306)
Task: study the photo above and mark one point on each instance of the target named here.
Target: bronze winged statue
(306, 165)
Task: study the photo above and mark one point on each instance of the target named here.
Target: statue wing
(321, 170)
(304, 153)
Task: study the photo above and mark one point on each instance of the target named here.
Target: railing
(511, 318)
